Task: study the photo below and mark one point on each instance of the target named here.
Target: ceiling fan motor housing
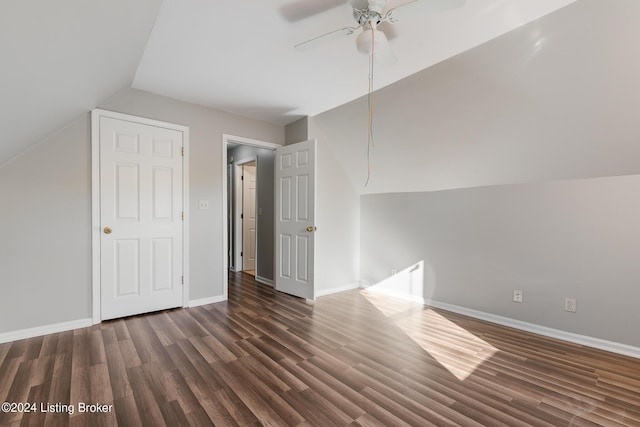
(371, 14)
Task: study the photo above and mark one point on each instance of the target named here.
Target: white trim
(325, 292)
(226, 139)
(45, 330)
(95, 216)
(95, 201)
(205, 301)
(611, 346)
(264, 280)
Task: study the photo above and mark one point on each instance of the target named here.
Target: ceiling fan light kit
(369, 41)
(368, 14)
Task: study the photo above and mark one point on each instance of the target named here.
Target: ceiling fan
(368, 14)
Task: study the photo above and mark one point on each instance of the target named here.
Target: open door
(295, 218)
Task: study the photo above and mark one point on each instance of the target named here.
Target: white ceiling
(61, 59)
(240, 58)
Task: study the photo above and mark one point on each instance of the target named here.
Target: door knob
(311, 228)
(108, 230)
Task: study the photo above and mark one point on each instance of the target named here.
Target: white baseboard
(44, 330)
(264, 280)
(325, 292)
(611, 346)
(205, 301)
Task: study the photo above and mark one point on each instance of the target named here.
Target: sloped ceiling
(59, 59)
(62, 58)
(555, 99)
(239, 56)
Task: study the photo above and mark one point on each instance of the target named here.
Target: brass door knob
(108, 230)
(311, 228)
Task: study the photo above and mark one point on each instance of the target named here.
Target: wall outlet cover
(570, 305)
(517, 295)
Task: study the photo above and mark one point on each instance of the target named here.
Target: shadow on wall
(414, 283)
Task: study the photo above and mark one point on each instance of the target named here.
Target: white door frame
(238, 261)
(96, 114)
(227, 139)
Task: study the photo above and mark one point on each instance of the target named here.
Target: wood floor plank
(353, 358)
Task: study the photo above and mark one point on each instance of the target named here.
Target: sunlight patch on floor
(455, 348)
(388, 305)
(401, 298)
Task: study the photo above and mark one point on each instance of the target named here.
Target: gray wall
(45, 244)
(337, 252)
(337, 244)
(297, 131)
(555, 99)
(45, 249)
(266, 196)
(527, 127)
(576, 239)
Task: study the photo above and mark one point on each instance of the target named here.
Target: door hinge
(183, 215)
(183, 280)
(241, 253)
(242, 178)
(182, 151)
(241, 216)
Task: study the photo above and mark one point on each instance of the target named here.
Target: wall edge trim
(37, 331)
(584, 340)
(205, 301)
(264, 280)
(337, 289)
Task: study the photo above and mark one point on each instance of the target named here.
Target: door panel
(295, 218)
(141, 203)
(249, 216)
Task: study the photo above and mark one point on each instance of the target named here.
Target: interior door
(141, 218)
(295, 218)
(249, 216)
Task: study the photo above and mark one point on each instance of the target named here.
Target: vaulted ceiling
(61, 59)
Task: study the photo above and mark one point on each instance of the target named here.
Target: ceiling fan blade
(390, 30)
(417, 7)
(316, 41)
(301, 9)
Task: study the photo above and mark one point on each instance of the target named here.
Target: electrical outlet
(517, 295)
(570, 305)
(203, 205)
(394, 271)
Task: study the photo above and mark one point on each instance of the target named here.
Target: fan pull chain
(370, 139)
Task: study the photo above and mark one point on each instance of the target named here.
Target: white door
(141, 218)
(295, 218)
(249, 216)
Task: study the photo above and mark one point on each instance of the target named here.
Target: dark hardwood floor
(354, 358)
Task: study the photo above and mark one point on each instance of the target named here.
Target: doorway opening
(241, 156)
(243, 199)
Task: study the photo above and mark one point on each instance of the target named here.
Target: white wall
(45, 249)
